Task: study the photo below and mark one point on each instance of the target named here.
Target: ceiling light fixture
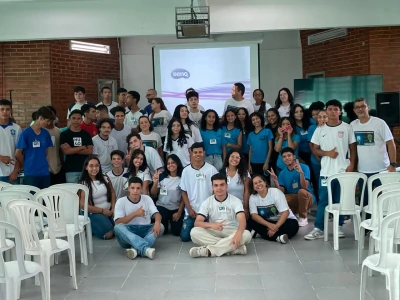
(89, 47)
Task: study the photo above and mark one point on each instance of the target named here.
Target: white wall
(280, 60)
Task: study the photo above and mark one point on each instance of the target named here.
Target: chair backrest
(3, 184)
(2, 231)
(64, 205)
(24, 212)
(4, 226)
(76, 187)
(392, 201)
(384, 229)
(348, 182)
(22, 188)
(384, 178)
(375, 197)
(7, 196)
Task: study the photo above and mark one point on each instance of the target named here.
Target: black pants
(257, 168)
(290, 227)
(57, 178)
(166, 217)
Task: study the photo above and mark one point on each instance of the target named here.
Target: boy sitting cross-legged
(132, 216)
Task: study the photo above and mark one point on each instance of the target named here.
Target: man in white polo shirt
(332, 142)
(376, 149)
(104, 144)
(225, 232)
(196, 187)
(238, 100)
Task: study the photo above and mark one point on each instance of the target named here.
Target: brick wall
(364, 51)
(71, 68)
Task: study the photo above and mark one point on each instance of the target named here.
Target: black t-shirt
(74, 162)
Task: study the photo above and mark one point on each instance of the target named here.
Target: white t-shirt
(197, 184)
(125, 207)
(170, 192)
(284, 111)
(120, 137)
(160, 122)
(232, 103)
(194, 132)
(270, 207)
(181, 152)
(371, 138)
(8, 142)
(154, 161)
(103, 149)
(110, 107)
(99, 195)
(75, 106)
(218, 211)
(152, 140)
(119, 182)
(329, 137)
(132, 119)
(236, 186)
(196, 117)
(257, 107)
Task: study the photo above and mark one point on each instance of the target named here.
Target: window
(316, 75)
(89, 47)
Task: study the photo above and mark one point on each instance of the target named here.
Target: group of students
(203, 177)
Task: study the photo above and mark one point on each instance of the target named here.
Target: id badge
(228, 179)
(222, 209)
(36, 144)
(295, 185)
(200, 176)
(163, 192)
(213, 141)
(324, 182)
(227, 135)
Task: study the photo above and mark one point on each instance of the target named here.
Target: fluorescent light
(89, 47)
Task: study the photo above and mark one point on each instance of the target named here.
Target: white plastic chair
(13, 272)
(5, 244)
(385, 262)
(64, 205)
(385, 178)
(373, 223)
(21, 188)
(347, 206)
(4, 184)
(24, 213)
(75, 187)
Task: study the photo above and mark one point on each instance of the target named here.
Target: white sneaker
(341, 233)
(283, 239)
(242, 250)
(316, 233)
(303, 222)
(131, 253)
(150, 253)
(198, 252)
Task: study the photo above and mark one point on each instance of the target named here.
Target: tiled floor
(300, 270)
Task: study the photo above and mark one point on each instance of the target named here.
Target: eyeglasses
(360, 107)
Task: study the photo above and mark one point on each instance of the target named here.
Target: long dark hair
(291, 124)
(278, 100)
(242, 168)
(162, 105)
(151, 128)
(86, 180)
(248, 126)
(132, 168)
(177, 115)
(179, 165)
(236, 123)
(203, 122)
(181, 138)
(306, 118)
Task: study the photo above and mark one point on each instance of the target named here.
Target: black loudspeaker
(387, 108)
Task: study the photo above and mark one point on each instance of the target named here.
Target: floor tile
(143, 268)
(141, 283)
(240, 294)
(343, 293)
(197, 267)
(333, 280)
(316, 267)
(234, 282)
(184, 295)
(283, 281)
(192, 283)
(78, 295)
(111, 271)
(305, 293)
(232, 268)
(101, 284)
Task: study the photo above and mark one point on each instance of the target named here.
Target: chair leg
(71, 242)
(326, 223)
(10, 291)
(394, 285)
(363, 283)
(336, 231)
(371, 250)
(43, 286)
(72, 268)
(46, 274)
(362, 237)
(361, 244)
(356, 223)
(89, 237)
(38, 259)
(84, 255)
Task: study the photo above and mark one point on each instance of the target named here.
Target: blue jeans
(188, 224)
(7, 179)
(316, 170)
(41, 182)
(323, 202)
(139, 237)
(214, 160)
(72, 177)
(101, 225)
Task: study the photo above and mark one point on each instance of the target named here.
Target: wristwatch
(393, 164)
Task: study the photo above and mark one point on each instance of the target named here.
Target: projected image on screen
(210, 71)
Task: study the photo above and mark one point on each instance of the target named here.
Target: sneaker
(253, 234)
(198, 252)
(303, 222)
(283, 239)
(150, 253)
(341, 233)
(316, 233)
(242, 250)
(131, 253)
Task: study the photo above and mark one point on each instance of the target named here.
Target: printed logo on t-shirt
(77, 141)
(340, 134)
(365, 138)
(268, 212)
(12, 131)
(149, 143)
(157, 121)
(188, 132)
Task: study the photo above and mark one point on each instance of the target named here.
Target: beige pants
(300, 203)
(218, 242)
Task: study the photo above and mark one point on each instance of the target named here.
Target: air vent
(326, 35)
